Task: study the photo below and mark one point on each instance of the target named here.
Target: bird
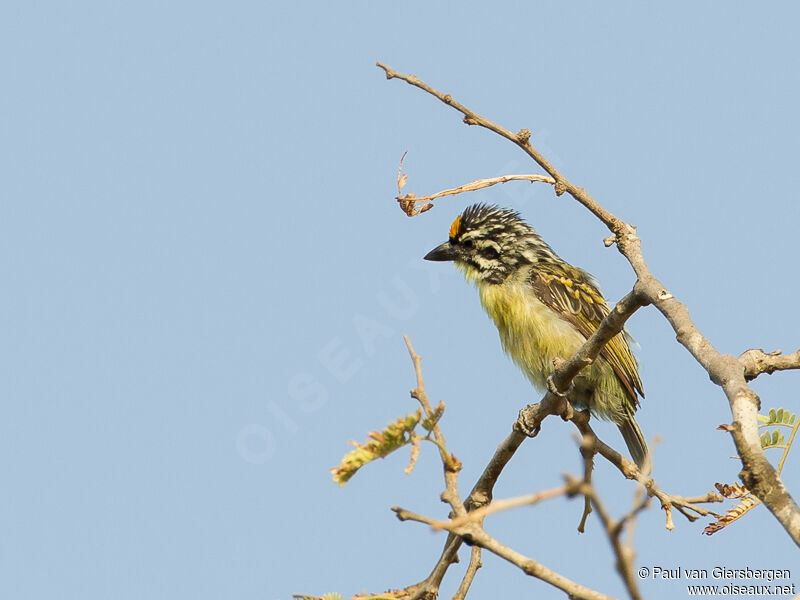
(545, 308)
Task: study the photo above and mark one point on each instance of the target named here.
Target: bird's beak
(442, 252)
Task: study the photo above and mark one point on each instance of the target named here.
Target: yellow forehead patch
(454, 227)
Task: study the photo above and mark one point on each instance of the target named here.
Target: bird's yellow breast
(531, 333)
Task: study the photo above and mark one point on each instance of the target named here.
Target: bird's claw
(527, 424)
(551, 387)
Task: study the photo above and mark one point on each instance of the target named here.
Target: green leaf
(379, 445)
(772, 439)
(780, 416)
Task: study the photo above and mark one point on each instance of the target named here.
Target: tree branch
(610, 326)
(627, 467)
(614, 530)
(725, 370)
(451, 464)
(408, 202)
(472, 569)
(757, 361)
(474, 533)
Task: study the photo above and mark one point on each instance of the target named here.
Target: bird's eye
(490, 252)
(468, 244)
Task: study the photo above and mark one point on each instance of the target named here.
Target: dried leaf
(732, 491)
(732, 515)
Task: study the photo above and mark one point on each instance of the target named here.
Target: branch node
(524, 136)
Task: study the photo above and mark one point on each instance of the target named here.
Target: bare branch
(521, 139)
(629, 469)
(610, 326)
(475, 534)
(550, 404)
(408, 202)
(725, 370)
(480, 495)
(472, 569)
(756, 361)
(479, 514)
(451, 464)
(623, 554)
(588, 452)
(407, 515)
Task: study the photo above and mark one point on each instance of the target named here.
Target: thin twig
(408, 202)
(477, 536)
(474, 564)
(626, 466)
(480, 495)
(629, 469)
(521, 139)
(479, 514)
(451, 464)
(588, 452)
(756, 361)
(613, 529)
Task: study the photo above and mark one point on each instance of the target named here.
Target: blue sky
(198, 226)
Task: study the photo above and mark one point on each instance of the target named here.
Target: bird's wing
(577, 299)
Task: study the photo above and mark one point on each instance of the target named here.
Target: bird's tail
(637, 446)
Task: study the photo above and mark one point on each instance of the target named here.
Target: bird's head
(490, 243)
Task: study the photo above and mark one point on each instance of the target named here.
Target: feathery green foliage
(773, 438)
(382, 443)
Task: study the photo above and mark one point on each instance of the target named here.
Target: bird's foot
(551, 387)
(530, 420)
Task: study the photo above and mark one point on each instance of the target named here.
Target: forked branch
(724, 370)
